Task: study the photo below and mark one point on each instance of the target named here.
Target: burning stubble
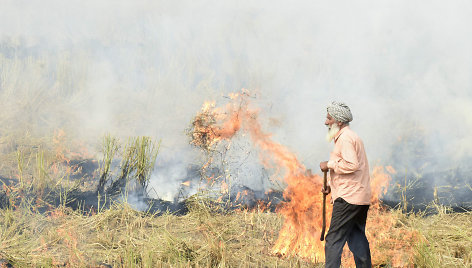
(135, 69)
(302, 209)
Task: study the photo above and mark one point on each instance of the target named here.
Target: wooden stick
(325, 179)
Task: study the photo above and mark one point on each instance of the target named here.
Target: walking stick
(324, 206)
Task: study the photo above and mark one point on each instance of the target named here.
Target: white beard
(332, 131)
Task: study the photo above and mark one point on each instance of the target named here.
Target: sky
(134, 68)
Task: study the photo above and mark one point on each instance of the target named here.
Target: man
(349, 185)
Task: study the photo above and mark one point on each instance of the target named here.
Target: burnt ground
(450, 188)
(87, 201)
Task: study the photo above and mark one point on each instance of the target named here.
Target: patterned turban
(340, 112)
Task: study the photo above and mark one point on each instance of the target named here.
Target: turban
(340, 112)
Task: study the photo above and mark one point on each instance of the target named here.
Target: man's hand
(327, 191)
(324, 166)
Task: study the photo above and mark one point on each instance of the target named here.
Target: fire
(206, 133)
(300, 234)
(62, 144)
(64, 156)
(301, 231)
(59, 140)
(379, 184)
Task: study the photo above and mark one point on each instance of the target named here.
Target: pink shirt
(349, 169)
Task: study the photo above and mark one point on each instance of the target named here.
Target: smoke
(145, 68)
(176, 175)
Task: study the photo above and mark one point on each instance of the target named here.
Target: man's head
(338, 116)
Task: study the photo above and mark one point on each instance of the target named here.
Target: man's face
(329, 121)
(333, 127)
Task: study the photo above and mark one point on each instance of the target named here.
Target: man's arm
(348, 162)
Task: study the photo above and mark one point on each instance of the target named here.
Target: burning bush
(203, 132)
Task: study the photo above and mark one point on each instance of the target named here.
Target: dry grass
(205, 237)
(122, 237)
(119, 236)
(447, 239)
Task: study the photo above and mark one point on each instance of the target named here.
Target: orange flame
(62, 145)
(301, 231)
(379, 184)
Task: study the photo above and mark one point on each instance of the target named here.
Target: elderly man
(349, 185)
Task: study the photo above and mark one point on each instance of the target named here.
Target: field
(101, 117)
(55, 211)
(48, 175)
(122, 237)
(38, 231)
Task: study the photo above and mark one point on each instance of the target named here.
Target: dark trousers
(347, 224)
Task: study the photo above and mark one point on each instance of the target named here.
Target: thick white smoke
(145, 67)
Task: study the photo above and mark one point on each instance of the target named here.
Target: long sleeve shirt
(349, 169)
